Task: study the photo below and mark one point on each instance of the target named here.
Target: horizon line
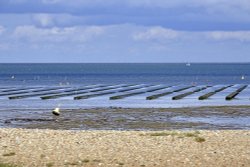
(124, 62)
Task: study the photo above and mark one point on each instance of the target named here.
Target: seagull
(56, 111)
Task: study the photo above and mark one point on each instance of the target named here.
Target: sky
(124, 31)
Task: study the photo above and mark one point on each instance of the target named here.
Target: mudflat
(33, 147)
(193, 118)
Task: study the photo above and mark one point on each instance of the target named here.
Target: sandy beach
(33, 147)
(199, 136)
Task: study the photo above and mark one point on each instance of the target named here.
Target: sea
(82, 74)
(19, 112)
(114, 73)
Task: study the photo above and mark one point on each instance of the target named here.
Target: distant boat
(242, 77)
(188, 64)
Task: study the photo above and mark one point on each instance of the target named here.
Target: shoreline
(33, 147)
(115, 118)
(26, 104)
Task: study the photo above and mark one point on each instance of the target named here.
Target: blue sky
(124, 31)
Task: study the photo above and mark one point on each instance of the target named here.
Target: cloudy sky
(124, 31)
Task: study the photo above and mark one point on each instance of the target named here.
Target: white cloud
(229, 35)
(4, 46)
(55, 34)
(43, 20)
(2, 29)
(57, 20)
(51, 1)
(156, 37)
(115, 42)
(80, 34)
(164, 34)
(157, 33)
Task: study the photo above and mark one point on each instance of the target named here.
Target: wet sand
(32, 147)
(208, 118)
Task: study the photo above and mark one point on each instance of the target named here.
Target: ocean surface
(80, 75)
(83, 74)
(29, 79)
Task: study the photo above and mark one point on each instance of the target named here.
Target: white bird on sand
(56, 111)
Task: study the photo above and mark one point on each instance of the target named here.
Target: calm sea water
(81, 74)
(14, 113)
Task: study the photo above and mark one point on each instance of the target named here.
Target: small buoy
(242, 77)
(56, 111)
(12, 77)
